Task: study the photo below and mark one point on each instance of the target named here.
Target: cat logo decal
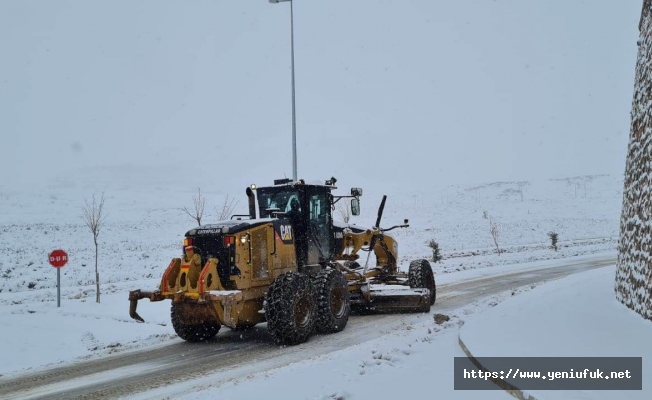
(286, 233)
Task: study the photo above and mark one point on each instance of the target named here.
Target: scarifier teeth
(132, 311)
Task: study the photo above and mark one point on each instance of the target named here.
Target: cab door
(319, 228)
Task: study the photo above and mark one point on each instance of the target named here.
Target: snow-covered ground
(145, 227)
(577, 316)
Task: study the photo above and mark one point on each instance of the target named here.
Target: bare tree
(343, 211)
(494, 230)
(226, 210)
(93, 216)
(199, 203)
(587, 179)
(521, 185)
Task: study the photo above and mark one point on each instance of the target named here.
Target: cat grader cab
(286, 263)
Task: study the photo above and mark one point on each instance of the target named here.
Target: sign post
(58, 258)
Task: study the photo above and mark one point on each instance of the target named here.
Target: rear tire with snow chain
(188, 324)
(332, 298)
(420, 276)
(290, 309)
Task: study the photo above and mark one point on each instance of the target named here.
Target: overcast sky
(388, 92)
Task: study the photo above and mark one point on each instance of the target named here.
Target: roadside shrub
(553, 239)
(436, 255)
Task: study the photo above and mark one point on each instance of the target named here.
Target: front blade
(395, 298)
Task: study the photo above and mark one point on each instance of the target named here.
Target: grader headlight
(244, 238)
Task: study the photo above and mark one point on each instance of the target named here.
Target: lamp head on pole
(278, 1)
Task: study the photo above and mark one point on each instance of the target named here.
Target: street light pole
(294, 120)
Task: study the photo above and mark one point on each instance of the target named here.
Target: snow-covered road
(234, 355)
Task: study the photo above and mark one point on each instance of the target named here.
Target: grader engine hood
(227, 227)
(220, 241)
(226, 263)
(235, 228)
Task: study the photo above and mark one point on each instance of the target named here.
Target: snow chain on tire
(290, 309)
(332, 299)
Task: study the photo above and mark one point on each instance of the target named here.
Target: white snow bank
(577, 316)
(39, 334)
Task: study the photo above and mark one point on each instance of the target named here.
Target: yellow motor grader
(288, 264)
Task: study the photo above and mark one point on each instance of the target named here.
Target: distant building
(634, 269)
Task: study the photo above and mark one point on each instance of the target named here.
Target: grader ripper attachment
(286, 263)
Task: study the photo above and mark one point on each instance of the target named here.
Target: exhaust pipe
(252, 203)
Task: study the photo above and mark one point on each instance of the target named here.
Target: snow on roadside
(505, 269)
(577, 316)
(38, 335)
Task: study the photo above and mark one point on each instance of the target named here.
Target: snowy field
(145, 228)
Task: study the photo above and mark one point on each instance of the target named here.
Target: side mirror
(356, 192)
(355, 207)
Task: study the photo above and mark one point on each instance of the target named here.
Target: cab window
(278, 199)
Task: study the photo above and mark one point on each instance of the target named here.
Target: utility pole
(294, 120)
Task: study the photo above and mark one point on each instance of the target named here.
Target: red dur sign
(58, 258)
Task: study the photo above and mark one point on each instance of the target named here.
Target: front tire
(333, 301)
(188, 323)
(420, 276)
(290, 309)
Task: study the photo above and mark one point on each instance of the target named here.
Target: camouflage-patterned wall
(634, 268)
